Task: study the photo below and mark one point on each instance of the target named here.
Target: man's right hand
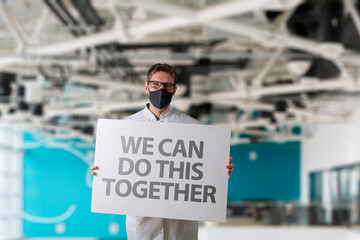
(93, 168)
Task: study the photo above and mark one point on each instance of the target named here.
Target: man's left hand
(230, 166)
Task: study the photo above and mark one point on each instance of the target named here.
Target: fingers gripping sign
(230, 166)
(93, 168)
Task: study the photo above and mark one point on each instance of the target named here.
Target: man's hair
(162, 67)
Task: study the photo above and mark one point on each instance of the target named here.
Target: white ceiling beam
(230, 8)
(102, 82)
(305, 86)
(166, 23)
(168, 8)
(119, 23)
(14, 26)
(79, 43)
(267, 37)
(281, 4)
(316, 115)
(98, 110)
(213, 12)
(9, 60)
(39, 25)
(179, 16)
(258, 80)
(103, 4)
(243, 105)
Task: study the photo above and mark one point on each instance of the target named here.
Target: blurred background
(283, 74)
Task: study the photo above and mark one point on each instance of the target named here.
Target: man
(161, 87)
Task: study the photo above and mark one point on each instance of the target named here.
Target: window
(10, 182)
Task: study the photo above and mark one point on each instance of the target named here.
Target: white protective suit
(148, 228)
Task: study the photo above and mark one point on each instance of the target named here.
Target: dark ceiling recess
(204, 66)
(21, 104)
(87, 129)
(325, 21)
(320, 68)
(350, 36)
(82, 123)
(304, 21)
(280, 106)
(5, 86)
(37, 109)
(330, 13)
(272, 15)
(267, 114)
(323, 69)
(196, 111)
(256, 138)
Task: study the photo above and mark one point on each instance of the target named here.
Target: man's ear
(174, 90)
(146, 85)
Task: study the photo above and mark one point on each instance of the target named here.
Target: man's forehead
(162, 76)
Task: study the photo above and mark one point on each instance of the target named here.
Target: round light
(252, 156)
(113, 228)
(60, 228)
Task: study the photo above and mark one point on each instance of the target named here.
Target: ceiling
(265, 68)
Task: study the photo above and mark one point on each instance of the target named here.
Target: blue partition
(273, 175)
(57, 192)
(57, 185)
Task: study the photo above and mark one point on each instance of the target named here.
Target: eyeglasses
(157, 85)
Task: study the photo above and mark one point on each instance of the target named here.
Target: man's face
(162, 77)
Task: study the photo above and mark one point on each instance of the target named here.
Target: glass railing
(294, 213)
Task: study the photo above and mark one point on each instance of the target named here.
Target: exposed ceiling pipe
(83, 12)
(60, 16)
(88, 13)
(171, 45)
(70, 17)
(181, 16)
(94, 13)
(79, 43)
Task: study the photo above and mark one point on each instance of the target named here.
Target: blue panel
(57, 193)
(274, 175)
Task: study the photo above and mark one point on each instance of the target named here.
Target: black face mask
(160, 98)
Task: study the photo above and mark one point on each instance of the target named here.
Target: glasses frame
(163, 84)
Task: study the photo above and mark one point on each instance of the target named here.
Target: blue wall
(57, 192)
(274, 175)
(57, 185)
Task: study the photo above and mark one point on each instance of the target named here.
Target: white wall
(332, 144)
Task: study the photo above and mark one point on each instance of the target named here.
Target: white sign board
(167, 170)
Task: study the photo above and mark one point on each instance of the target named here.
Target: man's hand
(93, 168)
(230, 166)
